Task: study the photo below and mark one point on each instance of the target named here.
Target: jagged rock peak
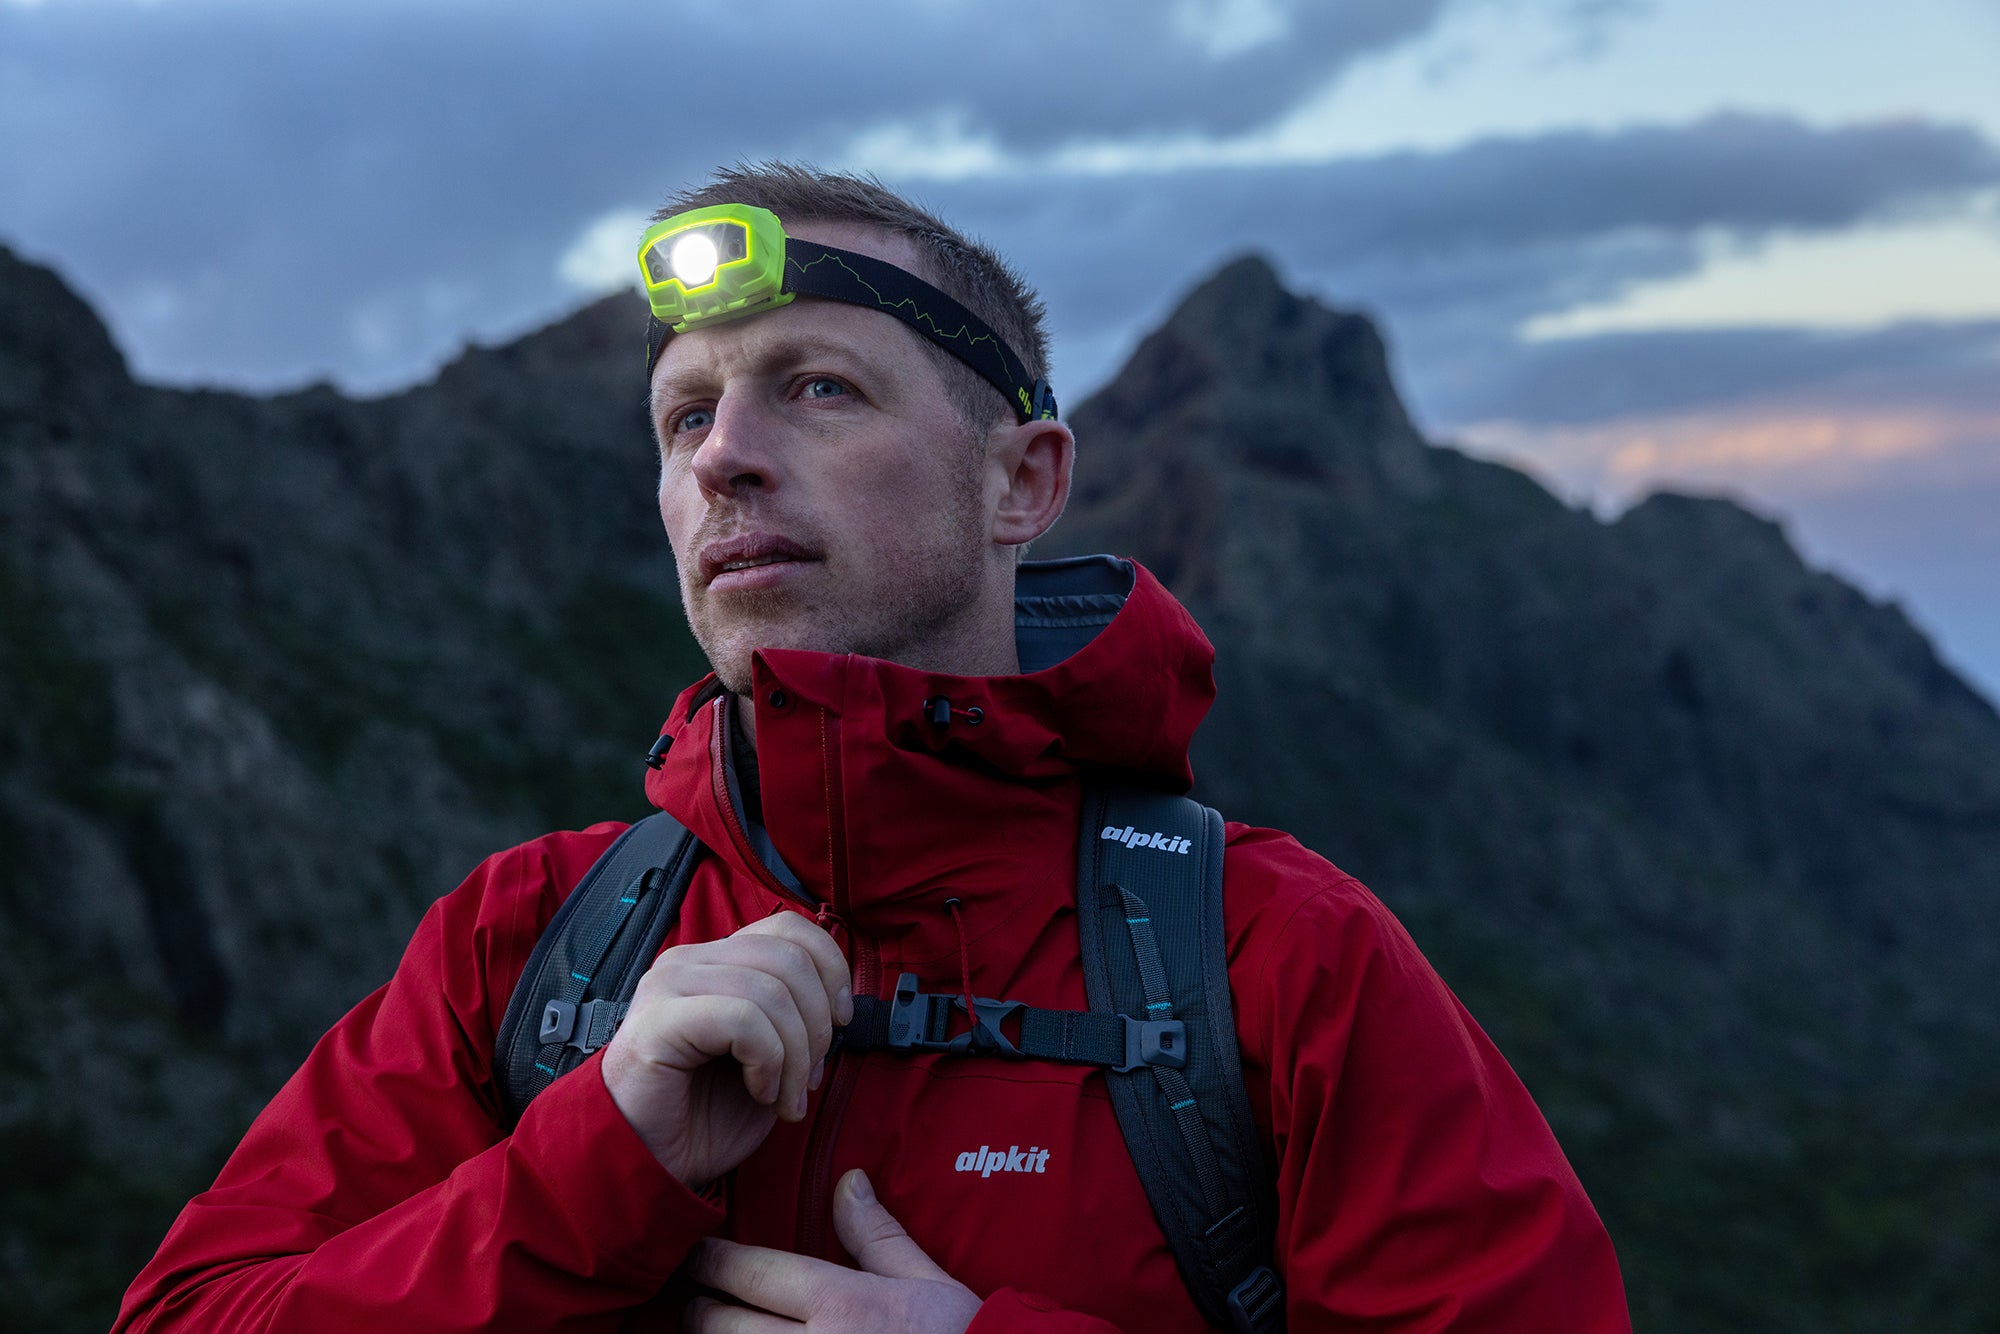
(53, 347)
(1244, 295)
(1266, 332)
(1275, 381)
(1717, 520)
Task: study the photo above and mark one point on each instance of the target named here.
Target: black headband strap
(861, 280)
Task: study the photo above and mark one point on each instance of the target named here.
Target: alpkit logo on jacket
(986, 1161)
(1139, 838)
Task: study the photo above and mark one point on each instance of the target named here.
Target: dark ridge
(1706, 838)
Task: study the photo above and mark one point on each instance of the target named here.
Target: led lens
(695, 259)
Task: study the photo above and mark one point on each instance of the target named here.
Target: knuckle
(749, 1015)
(884, 1230)
(737, 1014)
(791, 953)
(777, 924)
(857, 1303)
(761, 1271)
(767, 992)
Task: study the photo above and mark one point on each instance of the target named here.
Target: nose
(738, 453)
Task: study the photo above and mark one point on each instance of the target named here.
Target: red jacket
(1418, 1186)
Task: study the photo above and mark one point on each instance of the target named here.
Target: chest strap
(917, 1020)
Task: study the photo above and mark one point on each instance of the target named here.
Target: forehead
(878, 338)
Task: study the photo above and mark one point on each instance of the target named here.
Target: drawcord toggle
(939, 710)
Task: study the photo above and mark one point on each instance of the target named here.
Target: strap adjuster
(1257, 1304)
(1153, 1042)
(572, 1024)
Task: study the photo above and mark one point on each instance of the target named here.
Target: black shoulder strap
(580, 979)
(1149, 913)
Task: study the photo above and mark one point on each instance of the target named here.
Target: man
(886, 771)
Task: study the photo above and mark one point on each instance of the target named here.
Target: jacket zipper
(815, 1214)
(843, 1073)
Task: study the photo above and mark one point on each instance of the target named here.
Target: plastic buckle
(1042, 404)
(985, 1036)
(558, 1021)
(1153, 1042)
(1257, 1304)
(570, 1024)
(912, 1014)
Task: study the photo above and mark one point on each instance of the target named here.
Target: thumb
(874, 1238)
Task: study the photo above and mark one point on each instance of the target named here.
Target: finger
(780, 1006)
(827, 959)
(792, 964)
(705, 1315)
(873, 1237)
(775, 1281)
(701, 1028)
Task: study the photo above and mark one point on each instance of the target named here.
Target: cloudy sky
(1743, 248)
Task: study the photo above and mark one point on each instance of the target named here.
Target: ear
(1027, 474)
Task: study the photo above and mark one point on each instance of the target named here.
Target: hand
(724, 1038)
(896, 1288)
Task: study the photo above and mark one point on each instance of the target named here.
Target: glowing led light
(694, 259)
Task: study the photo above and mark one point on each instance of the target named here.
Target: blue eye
(694, 419)
(814, 386)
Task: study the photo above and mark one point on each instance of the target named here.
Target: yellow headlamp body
(713, 264)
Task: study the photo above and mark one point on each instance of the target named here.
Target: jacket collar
(867, 785)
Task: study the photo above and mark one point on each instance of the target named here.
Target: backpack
(1160, 1023)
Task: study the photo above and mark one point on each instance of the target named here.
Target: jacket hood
(1114, 674)
(880, 781)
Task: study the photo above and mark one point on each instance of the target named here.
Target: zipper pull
(828, 919)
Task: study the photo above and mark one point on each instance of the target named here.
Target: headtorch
(728, 261)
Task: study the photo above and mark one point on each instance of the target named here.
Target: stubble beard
(917, 617)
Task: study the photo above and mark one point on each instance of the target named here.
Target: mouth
(750, 551)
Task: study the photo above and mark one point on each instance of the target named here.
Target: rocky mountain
(1706, 838)
(1709, 840)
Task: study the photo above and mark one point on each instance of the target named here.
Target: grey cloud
(292, 173)
(353, 191)
(1454, 250)
(1741, 172)
(1577, 380)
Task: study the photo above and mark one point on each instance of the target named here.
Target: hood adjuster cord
(830, 922)
(827, 919)
(952, 906)
(938, 708)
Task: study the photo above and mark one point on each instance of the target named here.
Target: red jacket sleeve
(1419, 1188)
(378, 1190)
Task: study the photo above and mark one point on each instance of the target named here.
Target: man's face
(818, 486)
